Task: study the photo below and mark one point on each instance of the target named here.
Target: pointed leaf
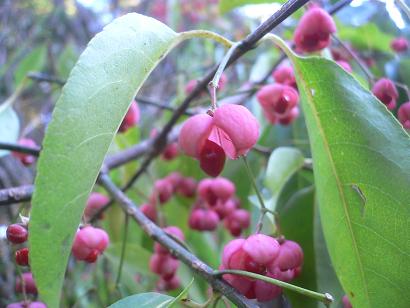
(362, 175)
(86, 117)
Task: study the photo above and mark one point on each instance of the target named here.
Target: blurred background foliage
(47, 36)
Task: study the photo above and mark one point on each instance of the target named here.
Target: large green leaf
(227, 5)
(9, 125)
(283, 163)
(362, 174)
(86, 117)
(144, 300)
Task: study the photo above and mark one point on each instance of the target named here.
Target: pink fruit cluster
(216, 202)
(313, 33)
(26, 159)
(164, 264)
(95, 203)
(231, 131)
(385, 90)
(263, 255)
(164, 189)
(18, 234)
(89, 243)
(131, 118)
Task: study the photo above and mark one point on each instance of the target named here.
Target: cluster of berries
(17, 234)
(164, 264)
(216, 202)
(164, 189)
(279, 259)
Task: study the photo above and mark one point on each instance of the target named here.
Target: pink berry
(285, 75)
(229, 249)
(95, 203)
(313, 31)
(293, 114)
(29, 284)
(266, 291)
(16, 234)
(214, 190)
(150, 211)
(290, 256)
(346, 302)
(203, 220)
(170, 152)
(385, 90)
(131, 118)
(262, 248)
(399, 44)
(237, 221)
(404, 115)
(163, 191)
(26, 159)
(89, 243)
(232, 132)
(168, 285)
(174, 231)
(223, 209)
(345, 65)
(277, 101)
(190, 86)
(21, 257)
(187, 187)
(163, 265)
(175, 178)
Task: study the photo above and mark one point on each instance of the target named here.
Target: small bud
(16, 234)
(26, 159)
(285, 75)
(150, 211)
(21, 257)
(163, 265)
(95, 203)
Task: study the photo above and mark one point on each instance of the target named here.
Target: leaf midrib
(333, 166)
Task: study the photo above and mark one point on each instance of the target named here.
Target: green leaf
(34, 61)
(93, 102)
(227, 5)
(368, 36)
(362, 175)
(9, 125)
(144, 300)
(283, 163)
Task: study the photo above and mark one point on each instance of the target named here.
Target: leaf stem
(124, 244)
(252, 178)
(326, 298)
(207, 35)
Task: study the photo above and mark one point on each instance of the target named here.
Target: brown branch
(16, 194)
(157, 234)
